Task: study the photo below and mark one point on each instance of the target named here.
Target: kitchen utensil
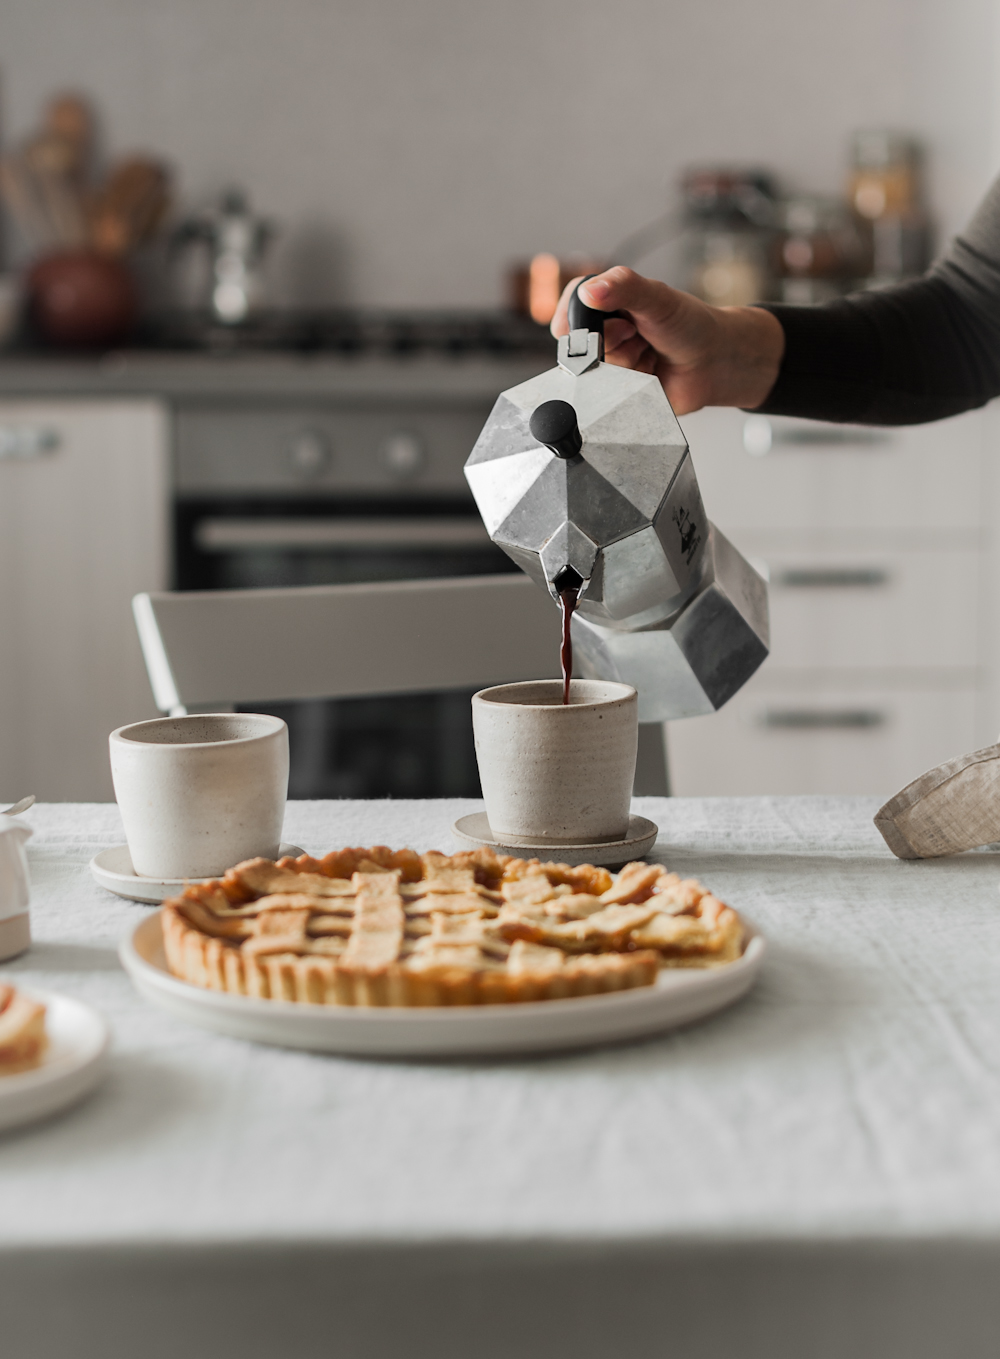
(20, 807)
(610, 507)
(10, 307)
(474, 830)
(80, 291)
(23, 198)
(69, 118)
(678, 997)
(74, 1063)
(554, 772)
(112, 869)
(44, 181)
(198, 794)
(15, 891)
(51, 162)
(130, 206)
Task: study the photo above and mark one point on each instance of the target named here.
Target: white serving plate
(112, 868)
(474, 830)
(678, 997)
(72, 1066)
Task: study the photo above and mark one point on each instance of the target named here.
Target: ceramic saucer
(112, 868)
(474, 830)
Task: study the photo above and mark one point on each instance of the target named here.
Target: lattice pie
(393, 927)
(22, 1031)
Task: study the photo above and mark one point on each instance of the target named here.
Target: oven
(356, 487)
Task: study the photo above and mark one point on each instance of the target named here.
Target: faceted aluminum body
(667, 604)
(694, 662)
(626, 514)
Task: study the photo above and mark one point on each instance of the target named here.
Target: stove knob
(309, 454)
(402, 455)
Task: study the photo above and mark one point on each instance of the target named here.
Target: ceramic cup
(198, 794)
(15, 894)
(555, 773)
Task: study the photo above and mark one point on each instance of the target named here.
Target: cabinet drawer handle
(760, 436)
(831, 578)
(823, 719)
(27, 441)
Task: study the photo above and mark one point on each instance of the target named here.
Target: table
(815, 1172)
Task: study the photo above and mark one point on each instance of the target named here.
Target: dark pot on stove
(79, 298)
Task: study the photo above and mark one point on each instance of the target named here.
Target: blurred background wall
(412, 149)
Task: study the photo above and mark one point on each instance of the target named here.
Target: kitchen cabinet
(83, 527)
(878, 548)
(836, 735)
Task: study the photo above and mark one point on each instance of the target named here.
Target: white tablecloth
(815, 1172)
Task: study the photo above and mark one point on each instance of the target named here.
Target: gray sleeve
(970, 267)
(904, 355)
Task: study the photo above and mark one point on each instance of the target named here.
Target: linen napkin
(949, 809)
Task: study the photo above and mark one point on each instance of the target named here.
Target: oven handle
(359, 534)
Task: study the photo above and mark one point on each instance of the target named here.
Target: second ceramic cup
(552, 772)
(198, 794)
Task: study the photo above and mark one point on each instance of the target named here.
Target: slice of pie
(22, 1031)
(394, 927)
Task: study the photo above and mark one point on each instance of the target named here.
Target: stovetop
(368, 333)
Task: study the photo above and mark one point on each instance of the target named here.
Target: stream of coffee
(568, 600)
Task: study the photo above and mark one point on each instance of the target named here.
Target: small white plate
(678, 997)
(474, 830)
(72, 1066)
(112, 868)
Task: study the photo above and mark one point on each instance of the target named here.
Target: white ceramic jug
(15, 931)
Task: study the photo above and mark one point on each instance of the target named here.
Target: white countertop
(853, 1097)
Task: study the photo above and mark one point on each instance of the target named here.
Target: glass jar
(886, 192)
(728, 230)
(818, 250)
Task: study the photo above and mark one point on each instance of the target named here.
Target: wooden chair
(214, 648)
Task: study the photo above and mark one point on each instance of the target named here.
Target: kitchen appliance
(583, 476)
(336, 456)
(237, 241)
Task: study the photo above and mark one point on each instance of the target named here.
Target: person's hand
(703, 356)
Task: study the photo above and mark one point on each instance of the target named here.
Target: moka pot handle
(582, 317)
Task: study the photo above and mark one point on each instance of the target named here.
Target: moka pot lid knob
(555, 425)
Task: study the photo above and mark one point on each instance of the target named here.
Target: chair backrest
(345, 641)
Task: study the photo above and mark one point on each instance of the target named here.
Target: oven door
(416, 745)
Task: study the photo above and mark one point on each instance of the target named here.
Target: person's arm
(904, 355)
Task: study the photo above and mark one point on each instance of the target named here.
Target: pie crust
(22, 1031)
(382, 927)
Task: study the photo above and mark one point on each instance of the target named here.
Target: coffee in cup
(555, 773)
